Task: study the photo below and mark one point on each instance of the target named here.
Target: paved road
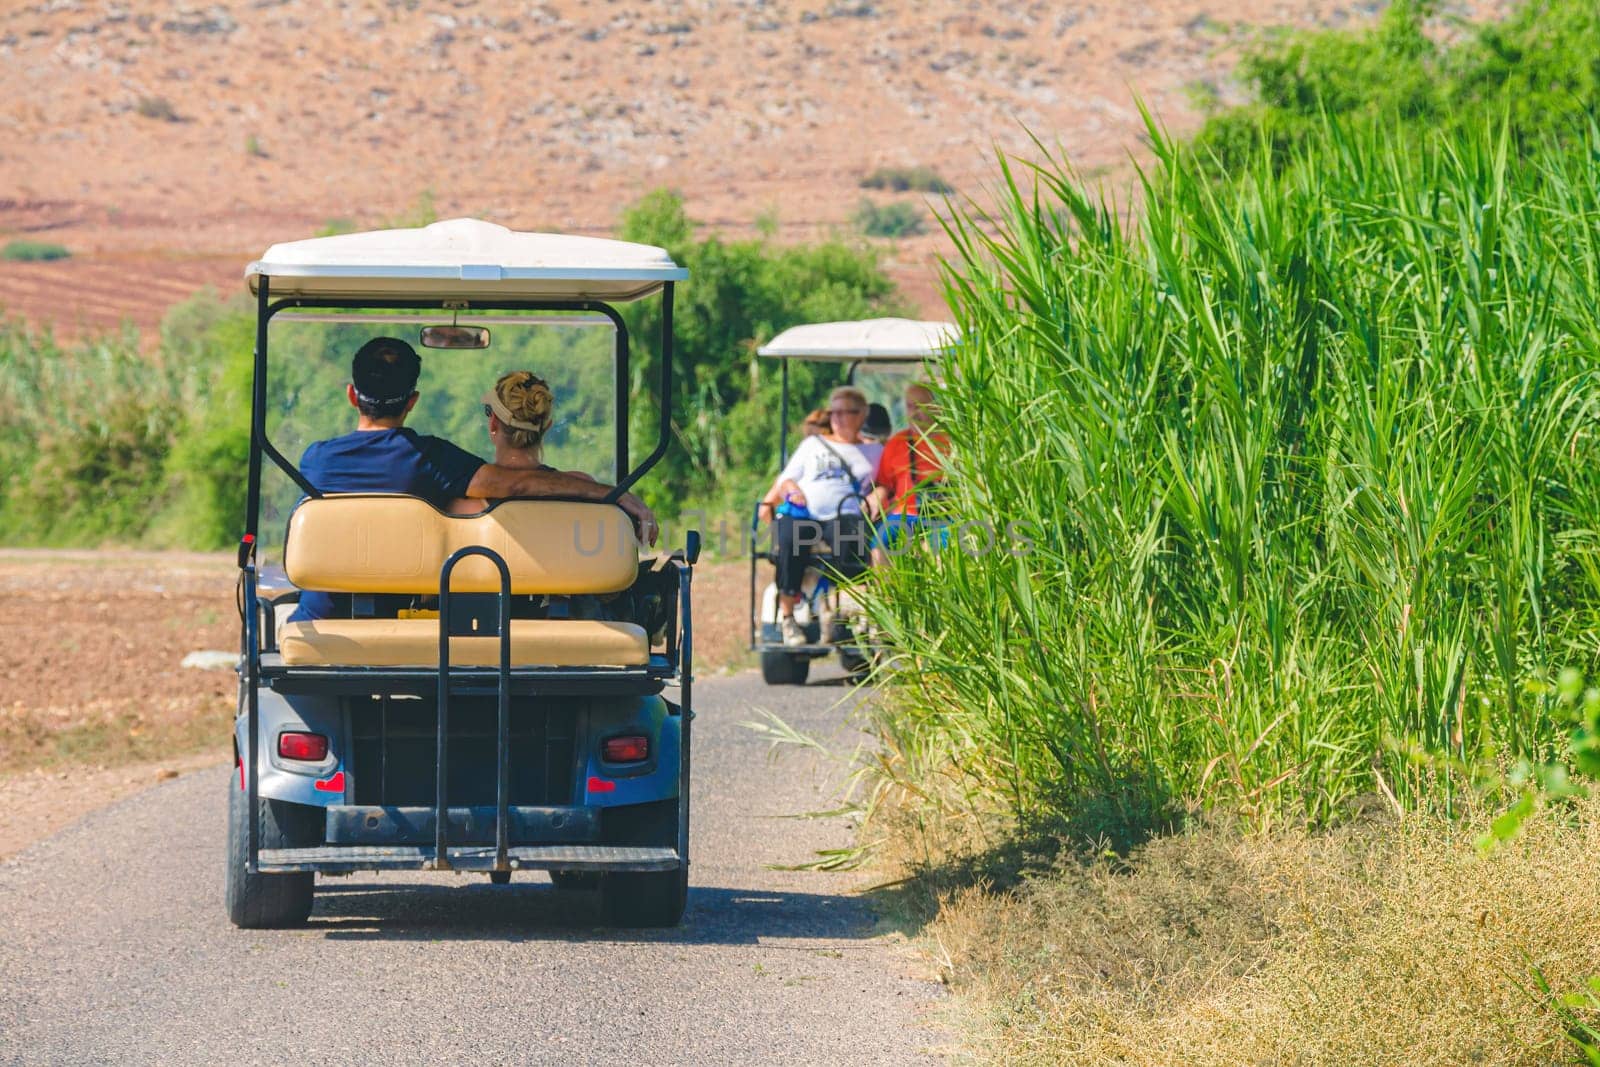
(114, 947)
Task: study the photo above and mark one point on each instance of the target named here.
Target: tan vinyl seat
(389, 543)
(415, 643)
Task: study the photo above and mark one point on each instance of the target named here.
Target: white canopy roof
(464, 259)
(891, 340)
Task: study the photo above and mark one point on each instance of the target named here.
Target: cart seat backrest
(380, 543)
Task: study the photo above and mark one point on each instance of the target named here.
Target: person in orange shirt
(909, 472)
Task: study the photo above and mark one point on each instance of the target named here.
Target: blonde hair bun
(531, 405)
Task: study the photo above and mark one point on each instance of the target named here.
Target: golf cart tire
(636, 899)
(785, 668)
(268, 901)
(856, 663)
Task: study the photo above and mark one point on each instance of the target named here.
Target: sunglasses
(845, 411)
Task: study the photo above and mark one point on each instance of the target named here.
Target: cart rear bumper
(346, 859)
(388, 824)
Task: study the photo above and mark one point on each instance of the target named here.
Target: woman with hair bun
(521, 409)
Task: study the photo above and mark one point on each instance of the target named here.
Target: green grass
(33, 251)
(1310, 468)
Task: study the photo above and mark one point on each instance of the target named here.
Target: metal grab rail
(691, 556)
(251, 653)
(441, 855)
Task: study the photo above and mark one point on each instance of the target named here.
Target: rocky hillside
(166, 145)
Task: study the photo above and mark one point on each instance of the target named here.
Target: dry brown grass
(1381, 943)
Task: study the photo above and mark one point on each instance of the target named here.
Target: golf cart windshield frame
(266, 308)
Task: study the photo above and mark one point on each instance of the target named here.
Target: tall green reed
(1309, 461)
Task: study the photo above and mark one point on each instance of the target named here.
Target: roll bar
(261, 446)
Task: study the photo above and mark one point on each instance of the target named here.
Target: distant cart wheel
(855, 662)
(265, 901)
(649, 898)
(500, 877)
(785, 668)
(575, 881)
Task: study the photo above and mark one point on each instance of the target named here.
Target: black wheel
(499, 877)
(265, 901)
(785, 668)
(575, 881)
(644, 898)
(855, 662)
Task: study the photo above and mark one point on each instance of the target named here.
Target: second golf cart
(884, 356)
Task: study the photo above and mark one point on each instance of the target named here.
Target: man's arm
(495, 483)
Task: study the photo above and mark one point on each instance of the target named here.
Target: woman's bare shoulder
(466, 506)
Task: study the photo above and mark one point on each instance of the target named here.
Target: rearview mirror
(455, 337)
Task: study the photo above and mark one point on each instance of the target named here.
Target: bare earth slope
(165, 144)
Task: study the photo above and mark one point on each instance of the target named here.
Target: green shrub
(725, 400)
(159, 108)
(101, 441)
(1537, 67)
(84, 437)
(898, 219)
(33, 251)
(421, 213)
(920, 179)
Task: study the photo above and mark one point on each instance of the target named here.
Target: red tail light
(293, 744)
(633, 748)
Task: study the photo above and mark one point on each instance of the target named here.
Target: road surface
(114, 947)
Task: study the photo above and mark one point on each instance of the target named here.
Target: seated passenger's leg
(795, 538)
(847, 541)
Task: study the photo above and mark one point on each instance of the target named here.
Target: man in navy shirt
(383, 456)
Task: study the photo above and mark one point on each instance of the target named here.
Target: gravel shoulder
(114, 946)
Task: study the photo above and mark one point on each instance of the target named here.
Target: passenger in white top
(829, 476)
(826, 475)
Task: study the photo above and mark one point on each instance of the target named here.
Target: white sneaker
(792, 634)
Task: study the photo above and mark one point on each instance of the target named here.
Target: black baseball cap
(384, 372)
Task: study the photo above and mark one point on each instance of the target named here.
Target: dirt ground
(166, 147)
(94, 702)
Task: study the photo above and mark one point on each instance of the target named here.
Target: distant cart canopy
(889, 340)
(465, 259)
